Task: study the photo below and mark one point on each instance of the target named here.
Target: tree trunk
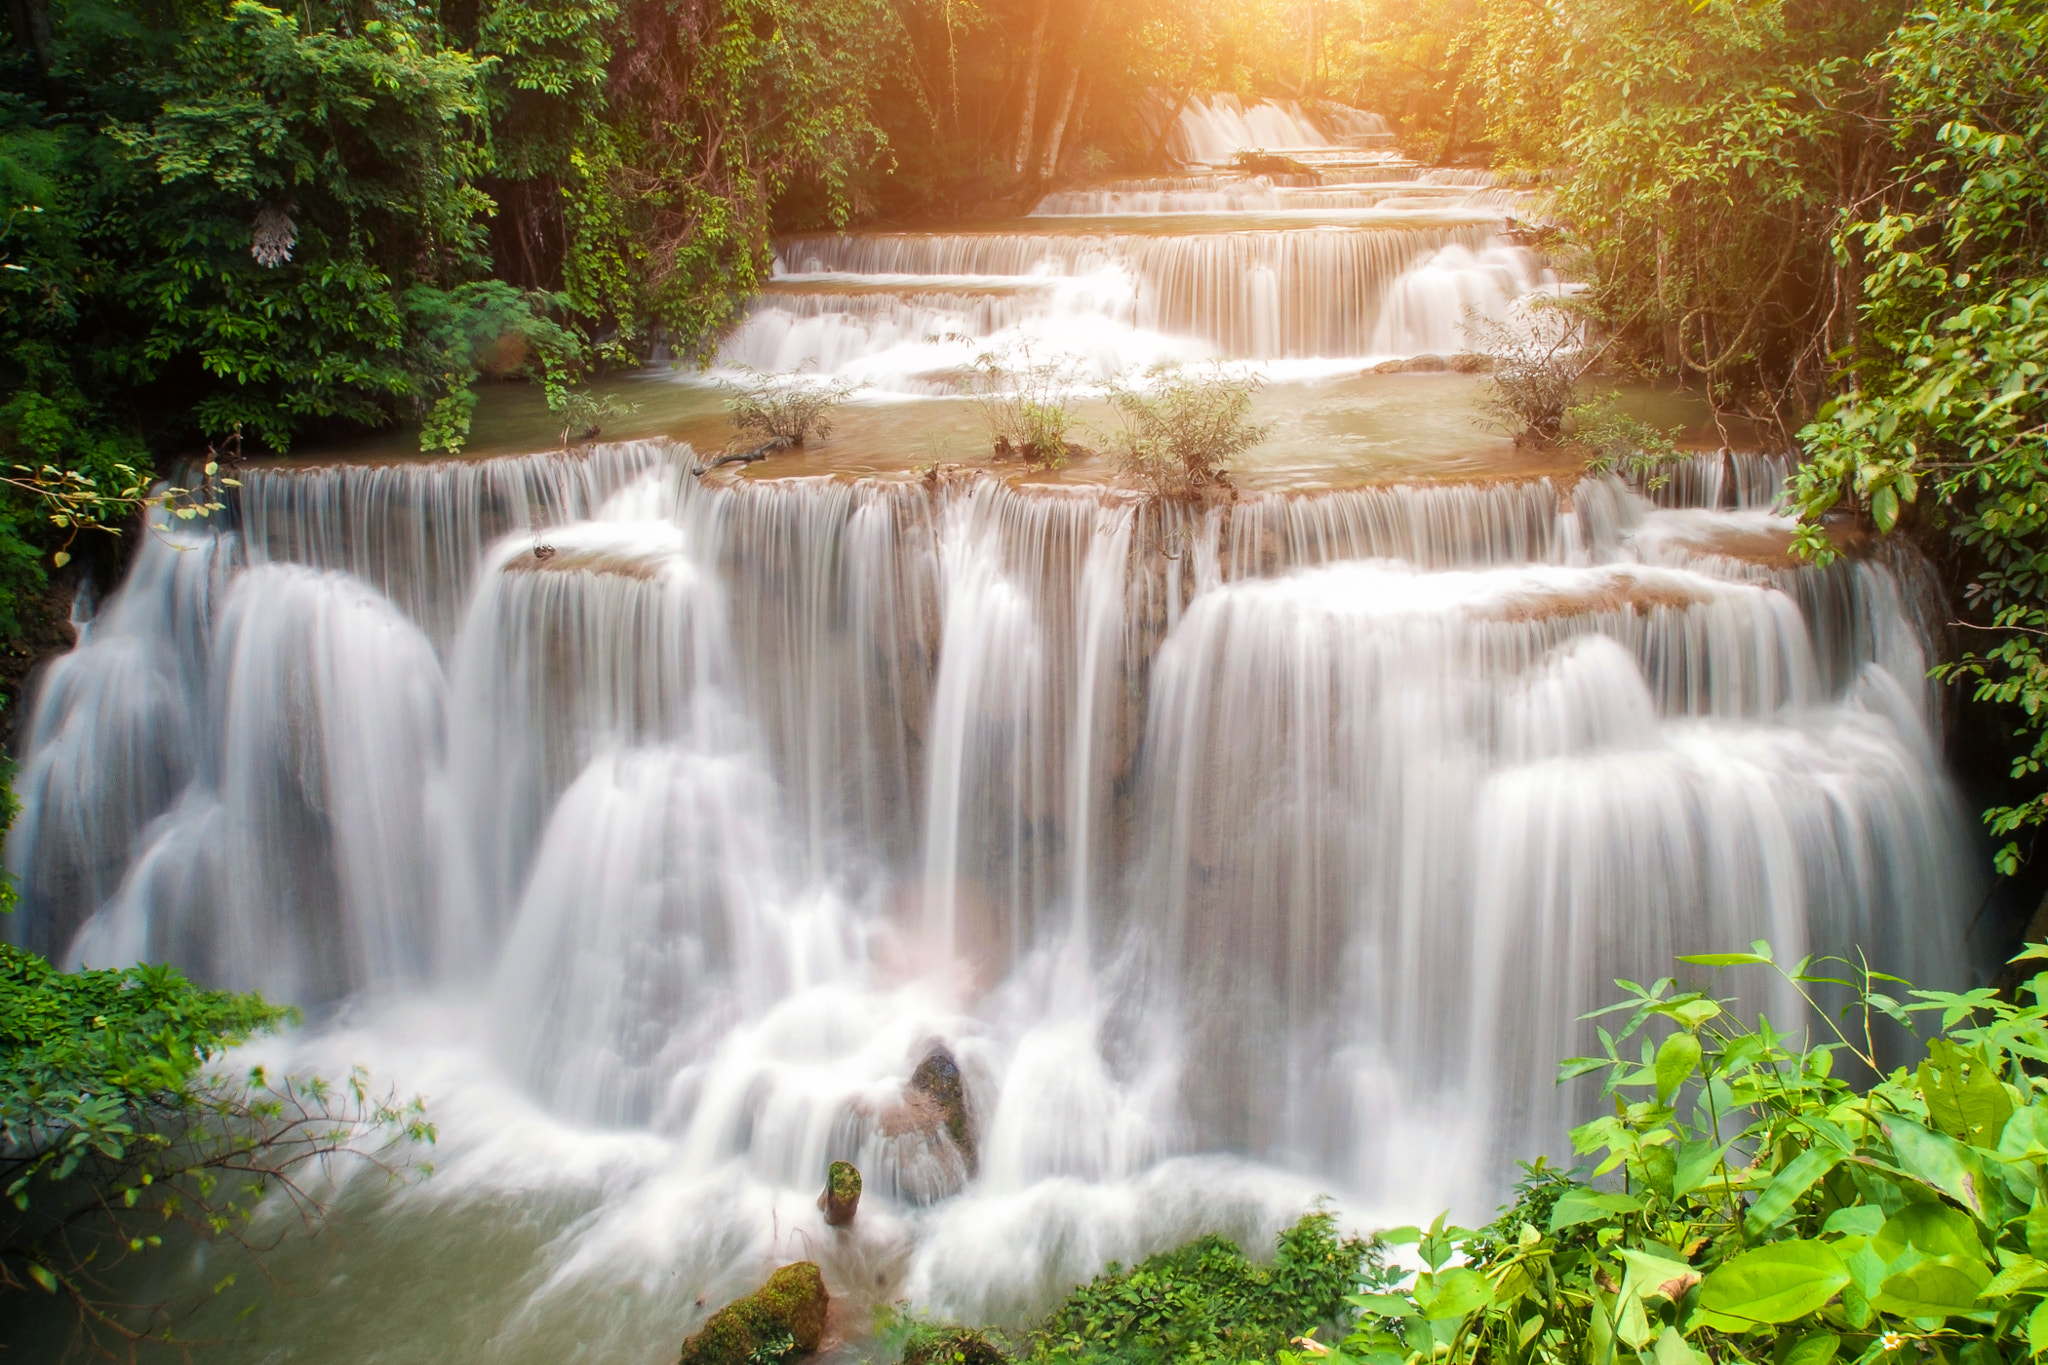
(30, 20)
(1166, 128)
(1058, 131)
(1308, 56)
(1027, 123)
(1054, 136)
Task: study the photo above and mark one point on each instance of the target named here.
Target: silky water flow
(658, 829)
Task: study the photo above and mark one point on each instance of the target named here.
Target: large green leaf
(1677, 1059)
(1943, 1163)
(1964, 1096)
(1581, 1205)
(1781, 1282)
(1452, 1294)
(1935, 1229)
(1933, 1288)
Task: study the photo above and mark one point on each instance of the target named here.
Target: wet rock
(1415, 364)
(841, 1199)
(937, 1081)
(781, 1321)
(1471, 362)
(951, 1346)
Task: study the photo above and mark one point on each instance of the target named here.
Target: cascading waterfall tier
(1293, 830)
(1345, 257)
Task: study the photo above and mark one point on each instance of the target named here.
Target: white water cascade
(1231, 855)
(1352, 256)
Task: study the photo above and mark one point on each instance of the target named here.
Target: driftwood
(758, 453)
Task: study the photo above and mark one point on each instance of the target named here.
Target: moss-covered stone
(938, 1079)
(781, 1321)
(951, 1346)
(841, 1199)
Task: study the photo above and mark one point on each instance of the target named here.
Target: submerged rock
(951, 1346)
(781, 1321)
(937, 1080)
(841, 1199)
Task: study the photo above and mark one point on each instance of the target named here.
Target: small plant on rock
(583, 413)
(1180, 426)
(1025, 400)
(788, 408)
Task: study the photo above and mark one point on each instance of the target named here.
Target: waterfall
(1229, 853)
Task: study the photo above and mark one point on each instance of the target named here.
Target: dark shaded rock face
(951, 1346)
(841, 1199)
(781, 1321)
(937, 1080)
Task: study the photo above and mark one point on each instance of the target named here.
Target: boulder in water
(781, 1321)
(937, 1081)
(841, 1199)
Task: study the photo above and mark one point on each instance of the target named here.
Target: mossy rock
(951, 1346)
(780, 1321)
(938, 1079)
(841, 1199)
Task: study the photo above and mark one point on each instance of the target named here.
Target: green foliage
(783, 407)
(584, 413)
(1772, 1208)
(1208, 1302)
(842, 1179)
(1950, 385)
(1616, 443)
(114, 1132)
(1181, 426)
(1027, 402)
(1709, 149)
(929, 1345)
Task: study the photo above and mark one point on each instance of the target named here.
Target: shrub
(1770, 1209)
(112, 1130)
(1208, 1302)
(1616, 443)
(1181, 425)
(1535, 359)
(1025, 402)
(584, 413)
(789, 407)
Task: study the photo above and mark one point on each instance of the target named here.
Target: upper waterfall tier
(1391, 273)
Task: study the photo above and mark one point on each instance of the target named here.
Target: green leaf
(1940, 1161)
(2024, 1272)
(1777, 1283)
(1964, 1097)
(1696, 1162)
(1933, 1288)
(42, 1276)
(1815, 1348)
(1454, 1294)
(1799, 1176)
(1582, 1205)
(1935, 1229)
(1656, 1275)
(1677, 1058)
(1726, 959)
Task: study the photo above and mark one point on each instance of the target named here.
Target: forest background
(222, 221)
